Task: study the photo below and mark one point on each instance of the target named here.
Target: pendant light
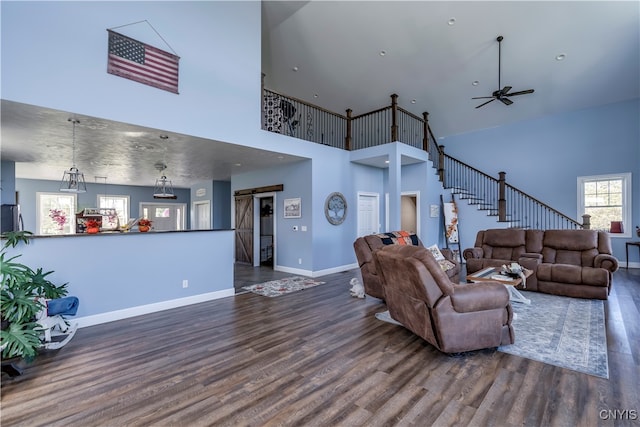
(163, 188)
(73, 179)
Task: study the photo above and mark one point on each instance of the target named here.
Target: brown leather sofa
(365, 247)
(452, 317)
(575, 263)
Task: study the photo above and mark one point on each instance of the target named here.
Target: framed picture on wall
(292, 208)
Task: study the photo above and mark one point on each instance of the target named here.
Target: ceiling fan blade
(483, 97)
(505, 90)
(485, 103)
(522, 92)
(506, 101)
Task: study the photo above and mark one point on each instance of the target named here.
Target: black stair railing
(299, 119)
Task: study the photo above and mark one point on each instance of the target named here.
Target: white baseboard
(298, 271)
(111, 316)
(318, 273)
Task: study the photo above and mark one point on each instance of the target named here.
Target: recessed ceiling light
(295, 68)
(386, 161)
(451, 21)
(383, 53)
(475, 83)
(315, 95)
(413, 101)
(238, 164)
(560, 57)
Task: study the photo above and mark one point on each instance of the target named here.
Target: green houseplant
(21, 286)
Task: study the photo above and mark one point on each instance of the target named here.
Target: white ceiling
(336, 48)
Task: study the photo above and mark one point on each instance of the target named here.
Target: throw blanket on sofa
(398, 238)
(67, 306)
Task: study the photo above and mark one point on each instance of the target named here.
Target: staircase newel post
(586, 222)
(441, 165)
(425, 132)
(394, 117)
(347, 139)
(502, 202)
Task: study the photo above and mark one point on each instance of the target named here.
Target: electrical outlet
(185, 283)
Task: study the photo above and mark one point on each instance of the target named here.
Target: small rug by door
(279, 287)
(561, 331)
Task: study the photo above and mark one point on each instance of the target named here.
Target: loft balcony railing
(299, 119)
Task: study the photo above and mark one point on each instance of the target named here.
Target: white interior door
(368, 213)
(202, 215)
(164, 216)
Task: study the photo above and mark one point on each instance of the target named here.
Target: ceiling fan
(503, 94)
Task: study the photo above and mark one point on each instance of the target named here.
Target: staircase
(299, 119)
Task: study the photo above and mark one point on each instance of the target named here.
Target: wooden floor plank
(316, 357)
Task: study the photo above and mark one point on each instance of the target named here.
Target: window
(606, 198)
(119, 203)
(55, 213)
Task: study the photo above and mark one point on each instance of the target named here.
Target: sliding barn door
(244, 229)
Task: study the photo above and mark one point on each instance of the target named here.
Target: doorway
(165, 216)
(368, 213)
(201, 215)
(409, 212)
(265, 232)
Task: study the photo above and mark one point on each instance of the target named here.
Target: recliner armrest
(606, 261)
(474, 297)
(448, 255)
(471, 253)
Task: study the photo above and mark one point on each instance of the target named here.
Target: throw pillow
(435, 251)
(446, 265)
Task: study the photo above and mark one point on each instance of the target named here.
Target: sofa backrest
(414, 271)
(575, 247)
(502, 243)
(365, 246)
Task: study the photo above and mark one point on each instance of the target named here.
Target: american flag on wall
(142, 63)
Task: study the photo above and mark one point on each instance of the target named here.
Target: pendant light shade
(73, 179)
(163, 188)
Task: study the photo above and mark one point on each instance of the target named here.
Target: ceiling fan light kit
(503, 94)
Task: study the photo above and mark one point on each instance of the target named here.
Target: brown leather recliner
(452, 317)
(365, 247)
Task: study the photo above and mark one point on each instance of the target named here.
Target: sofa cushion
(575, 247)
(572, 274)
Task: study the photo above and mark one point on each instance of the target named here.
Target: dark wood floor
(314, 357)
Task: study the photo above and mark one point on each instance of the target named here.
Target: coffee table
(492, 274)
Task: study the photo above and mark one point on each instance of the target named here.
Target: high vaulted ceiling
(341, 55)
(355, 54)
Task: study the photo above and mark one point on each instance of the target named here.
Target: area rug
(561, 331)
(275, 288)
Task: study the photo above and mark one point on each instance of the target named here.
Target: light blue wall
(544, 157)
(54, 55)
(121, 272)
(7, 183)
(27, 189)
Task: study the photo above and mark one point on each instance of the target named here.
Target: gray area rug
(560, 331)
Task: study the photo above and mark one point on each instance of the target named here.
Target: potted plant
(144, 225)
(19, 301)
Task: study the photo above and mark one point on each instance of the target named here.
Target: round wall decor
(335, 208)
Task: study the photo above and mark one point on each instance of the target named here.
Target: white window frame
(626, 199)
(124, 216)
(70, 224)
